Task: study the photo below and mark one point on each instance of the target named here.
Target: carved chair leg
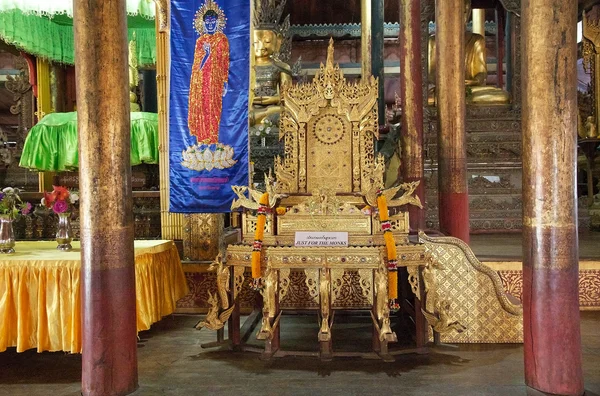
(380, 341)
(268, 351)
(266, 330)
(272, 342)
(277, 323)
(384, 353)
(325, 294)
(421, 326)
(269, 306)
(326, 350)
(325, 342)
(375, 331)
(233, 325)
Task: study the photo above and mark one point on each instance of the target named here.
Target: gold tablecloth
(40, 299)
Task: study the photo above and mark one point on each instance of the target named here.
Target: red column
(109, 336)
(450, 99)
(411, 95)
(552, 341)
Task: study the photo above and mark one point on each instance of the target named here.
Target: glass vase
(64, 235)
(7, 235)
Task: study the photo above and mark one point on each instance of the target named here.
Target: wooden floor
(171, 362)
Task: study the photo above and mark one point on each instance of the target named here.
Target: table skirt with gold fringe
(40, 299)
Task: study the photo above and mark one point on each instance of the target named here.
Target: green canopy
(51, 145)
(44, 28)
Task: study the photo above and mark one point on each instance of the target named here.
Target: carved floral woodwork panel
(589, 286)
(299, 295)
(352, 291)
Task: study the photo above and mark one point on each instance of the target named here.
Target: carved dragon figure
(214, 320)
(436, 311)
(407, 198)
(223, 275)
(253, 201)
(269, 304)
(383, 309)
(440, 319)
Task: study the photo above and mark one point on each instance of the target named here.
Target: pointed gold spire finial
(329, 63)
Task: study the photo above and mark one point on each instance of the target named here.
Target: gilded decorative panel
(329, 138)
(475, 295)
(202, 239)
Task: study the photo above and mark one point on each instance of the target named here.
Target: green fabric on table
(52, 38)
(144, 138)
(51, 145)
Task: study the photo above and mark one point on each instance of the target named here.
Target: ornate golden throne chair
(330, 180)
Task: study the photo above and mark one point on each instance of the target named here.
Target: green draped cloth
(51, 37)
(51, 145)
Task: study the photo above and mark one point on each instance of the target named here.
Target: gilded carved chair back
(329, 127)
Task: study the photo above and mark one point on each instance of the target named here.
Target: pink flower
(26, 209)
(60, 206)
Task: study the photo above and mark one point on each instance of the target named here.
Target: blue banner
(208, 125)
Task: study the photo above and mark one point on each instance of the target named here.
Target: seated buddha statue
(475, 69)
(270, 74)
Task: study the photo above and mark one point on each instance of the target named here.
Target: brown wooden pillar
(109, 361)
(450, 93)
(552, 341)
(365, 39)
(411, 96)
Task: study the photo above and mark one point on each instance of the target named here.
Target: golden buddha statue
(475, 69)
(271, 48)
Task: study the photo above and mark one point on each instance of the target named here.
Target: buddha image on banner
(209, 74)
(208, 136)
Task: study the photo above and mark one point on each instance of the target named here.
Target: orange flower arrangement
(258, 240)
(390, 245)
(60, 200)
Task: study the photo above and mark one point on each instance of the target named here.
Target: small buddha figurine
(475, 68)
(591, 130)
(270, 72)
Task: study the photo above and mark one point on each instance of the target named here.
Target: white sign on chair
(315, 238)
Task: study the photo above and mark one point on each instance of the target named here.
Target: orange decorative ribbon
(258, 239)
(390, 245)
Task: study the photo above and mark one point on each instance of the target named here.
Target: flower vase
(263, 141)
(7, 235)
(64, 235)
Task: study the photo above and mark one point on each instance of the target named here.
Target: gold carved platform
(329, 179)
